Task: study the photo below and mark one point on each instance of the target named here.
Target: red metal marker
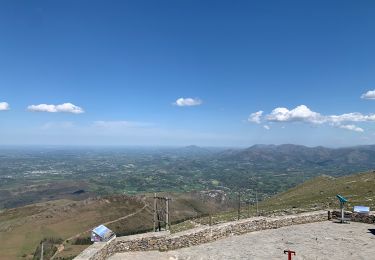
(290, 253)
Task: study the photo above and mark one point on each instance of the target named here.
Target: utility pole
(41, 251)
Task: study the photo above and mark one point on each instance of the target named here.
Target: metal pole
(154, 212)
(290, 253)
(248, 208)
(342, 212)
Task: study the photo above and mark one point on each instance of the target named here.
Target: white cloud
(4, 106)
(300, 113)
(66, 108)
(304, 114)
(352, 128)
(351, 117)
(369, 94)
(182, 102)
(255, 117)
(266, 127)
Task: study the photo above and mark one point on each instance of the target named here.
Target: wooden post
(155, 212)
(239, 206)
(256, 198)
(210, 216)
(167, 213)
(248, 208)
(42, 251)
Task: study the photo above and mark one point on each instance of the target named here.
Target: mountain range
(349, 159)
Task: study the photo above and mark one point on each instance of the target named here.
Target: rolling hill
(22, 228)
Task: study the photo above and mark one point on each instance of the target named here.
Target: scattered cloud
(4, 106)
(255, 117)
(266, 127)
(66, 108)
(183, 102)
(369, 94)
(352, 128)
(351, 117)
(304, 114)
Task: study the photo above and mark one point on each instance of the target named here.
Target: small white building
(102, 234)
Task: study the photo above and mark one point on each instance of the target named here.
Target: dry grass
(22, 229)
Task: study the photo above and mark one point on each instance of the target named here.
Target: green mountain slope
(320, 192)
(315, 194)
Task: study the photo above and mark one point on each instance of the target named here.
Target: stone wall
(356, 217)
(166, 241)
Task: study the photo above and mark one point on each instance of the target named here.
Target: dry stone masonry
(166, 241)
(356, 217)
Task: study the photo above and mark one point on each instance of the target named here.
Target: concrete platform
(322, 240)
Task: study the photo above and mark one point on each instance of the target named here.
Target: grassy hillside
(320, 192)
(22, 229)
(317, 193)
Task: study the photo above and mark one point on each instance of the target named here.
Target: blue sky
(187, 72)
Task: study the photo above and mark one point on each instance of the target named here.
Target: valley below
(58, 194)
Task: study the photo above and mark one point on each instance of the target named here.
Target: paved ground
(325, 240)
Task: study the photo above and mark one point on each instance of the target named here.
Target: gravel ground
(324, 240)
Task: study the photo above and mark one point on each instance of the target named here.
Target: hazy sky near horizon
(217, 73)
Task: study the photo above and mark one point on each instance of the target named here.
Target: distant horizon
(168, 146)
